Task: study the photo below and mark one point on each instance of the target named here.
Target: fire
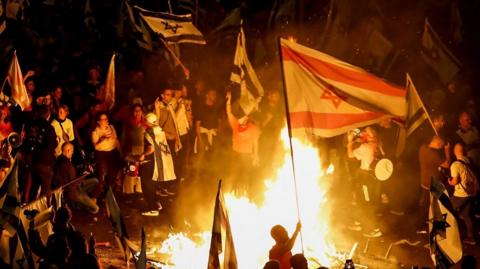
(251, 223)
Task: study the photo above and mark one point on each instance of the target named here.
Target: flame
(251, 223)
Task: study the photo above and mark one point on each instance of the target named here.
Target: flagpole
(185, 70)
(289, 125)
(4, 82)
(61, 187)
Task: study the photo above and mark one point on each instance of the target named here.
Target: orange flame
(251, 223)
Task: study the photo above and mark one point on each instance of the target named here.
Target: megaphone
(14, 139)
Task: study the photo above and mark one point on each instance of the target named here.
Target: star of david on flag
(173, 28)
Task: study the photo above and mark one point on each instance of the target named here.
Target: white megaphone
(14, 139)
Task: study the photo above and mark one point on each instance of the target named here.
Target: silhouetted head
(57, 248)
(469, 262)
(279, 234)
(272, 264)
(298, 261)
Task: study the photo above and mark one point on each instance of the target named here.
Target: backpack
(471, 186)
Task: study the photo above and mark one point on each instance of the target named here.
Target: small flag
(251, 91)
(416, 111)
(437, 55)
(3, 17)
(89, 18)
(328, 97)
(10, 220)
(228, 27)
(416, 115)
(222, 240)
(116, 218)
(15, 78)
(172, 28)
(138, 27)
(110, 84)
(445, 242)
(141, 262)
(191, 7)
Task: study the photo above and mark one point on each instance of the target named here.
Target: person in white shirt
(465, 183)
(183, 117)
(63, 127)
(107, 154)
(470, 136)
(366, 148)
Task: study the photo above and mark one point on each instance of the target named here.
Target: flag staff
(289, 127)
(186, 72)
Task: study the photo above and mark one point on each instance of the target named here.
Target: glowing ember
(251, 223)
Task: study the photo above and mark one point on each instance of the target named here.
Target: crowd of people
(133, 146)
(446, 152)
(159, 135)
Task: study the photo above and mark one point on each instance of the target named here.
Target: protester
(282, 250)
(107, 154)
(432, 162)
(272, 264)
(367, 148)
(298, 261)
(245, 135)
(470, 137)
(63, 129)
(77, 193)
(133, 138)
(207, 122)
(183, 117)
(157, 164)
(466, 186)
(40, 144)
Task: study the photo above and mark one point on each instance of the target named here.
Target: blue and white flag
(445, 242)
(172, 28)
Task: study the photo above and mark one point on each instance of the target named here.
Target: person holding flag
(157, 163)
(282, 250)
(245, 135)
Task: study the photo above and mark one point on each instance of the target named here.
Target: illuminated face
(62, 114)
(68, 151)
(48, 100)
(30, 85)
(137, 112)
(458, 150)
(465, 121)
(200, 86)
(93, 74)
(211, 96)
(439, 122)
(57, 93)
(103, 121)
(167, 96)
(184, 90)
(274, 97)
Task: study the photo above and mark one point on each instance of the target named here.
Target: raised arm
(291, 241)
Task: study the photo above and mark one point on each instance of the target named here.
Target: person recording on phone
(366, 147)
